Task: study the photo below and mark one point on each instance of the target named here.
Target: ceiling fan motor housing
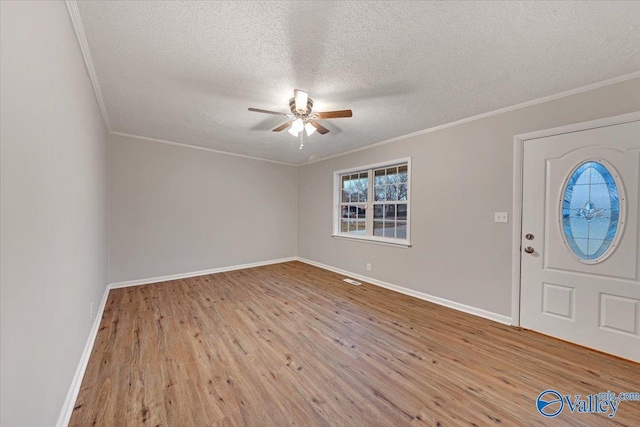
(302, 119)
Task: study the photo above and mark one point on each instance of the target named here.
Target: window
(590, 211)
(372, 203)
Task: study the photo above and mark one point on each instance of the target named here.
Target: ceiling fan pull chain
(301, 140)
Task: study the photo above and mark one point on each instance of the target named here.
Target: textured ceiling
(187, 71)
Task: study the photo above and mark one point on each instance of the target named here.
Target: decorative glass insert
(590, 211)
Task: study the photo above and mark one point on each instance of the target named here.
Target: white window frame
(337, 193)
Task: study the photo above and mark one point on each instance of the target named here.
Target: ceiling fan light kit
(309, 128)
(303, 119)
(297, 125)
(301, 98)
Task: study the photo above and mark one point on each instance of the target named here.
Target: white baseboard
(437, 300)
(72, 394)
(196, 273)
(74, 390)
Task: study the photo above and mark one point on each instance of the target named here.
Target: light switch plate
(501, 216)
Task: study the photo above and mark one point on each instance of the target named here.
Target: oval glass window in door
(590, 211)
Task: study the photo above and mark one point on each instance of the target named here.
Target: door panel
(593, 302)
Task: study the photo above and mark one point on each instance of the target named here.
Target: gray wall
(461, 176)
(53, 194)
(174, 210)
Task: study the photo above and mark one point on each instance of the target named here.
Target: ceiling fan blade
(283, 126)
(257, 110)
(321, 129)
(301, 97)
(334, 114)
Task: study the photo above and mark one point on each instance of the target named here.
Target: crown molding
(198, 147)
(74, 13)
(485, 115)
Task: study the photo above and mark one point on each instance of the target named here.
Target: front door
(580, 256)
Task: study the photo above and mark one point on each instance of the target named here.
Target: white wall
(54, 196)
(176, 210)
(461, 176)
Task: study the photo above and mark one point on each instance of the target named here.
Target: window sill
(376, 240)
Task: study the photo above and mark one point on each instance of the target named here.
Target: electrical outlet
(92, 310)
(501, 217)
(368, 266)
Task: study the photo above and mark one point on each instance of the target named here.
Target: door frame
(518, 168)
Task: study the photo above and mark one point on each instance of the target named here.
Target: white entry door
(580, 278)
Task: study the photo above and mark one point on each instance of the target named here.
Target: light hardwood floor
(291, 344)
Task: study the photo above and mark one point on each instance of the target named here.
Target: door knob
(529, 250)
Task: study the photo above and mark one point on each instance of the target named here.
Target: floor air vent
(352, 282)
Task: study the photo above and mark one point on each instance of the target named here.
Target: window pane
(379, 177)
(401, 230)
(402, 171)
(402, 192)
(380, 191)
(362, 186)
(392, 175)
(388, 179)
(355, 191)
(353, 197)
(389, 229)
(391, 192)
(390, 212)
(355, 188)
(345, 188)
(378, 211)
(401, 211)
(378, 228)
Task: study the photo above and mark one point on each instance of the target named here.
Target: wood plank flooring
(291, 344)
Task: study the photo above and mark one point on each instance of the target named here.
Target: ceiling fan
(302, 119)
